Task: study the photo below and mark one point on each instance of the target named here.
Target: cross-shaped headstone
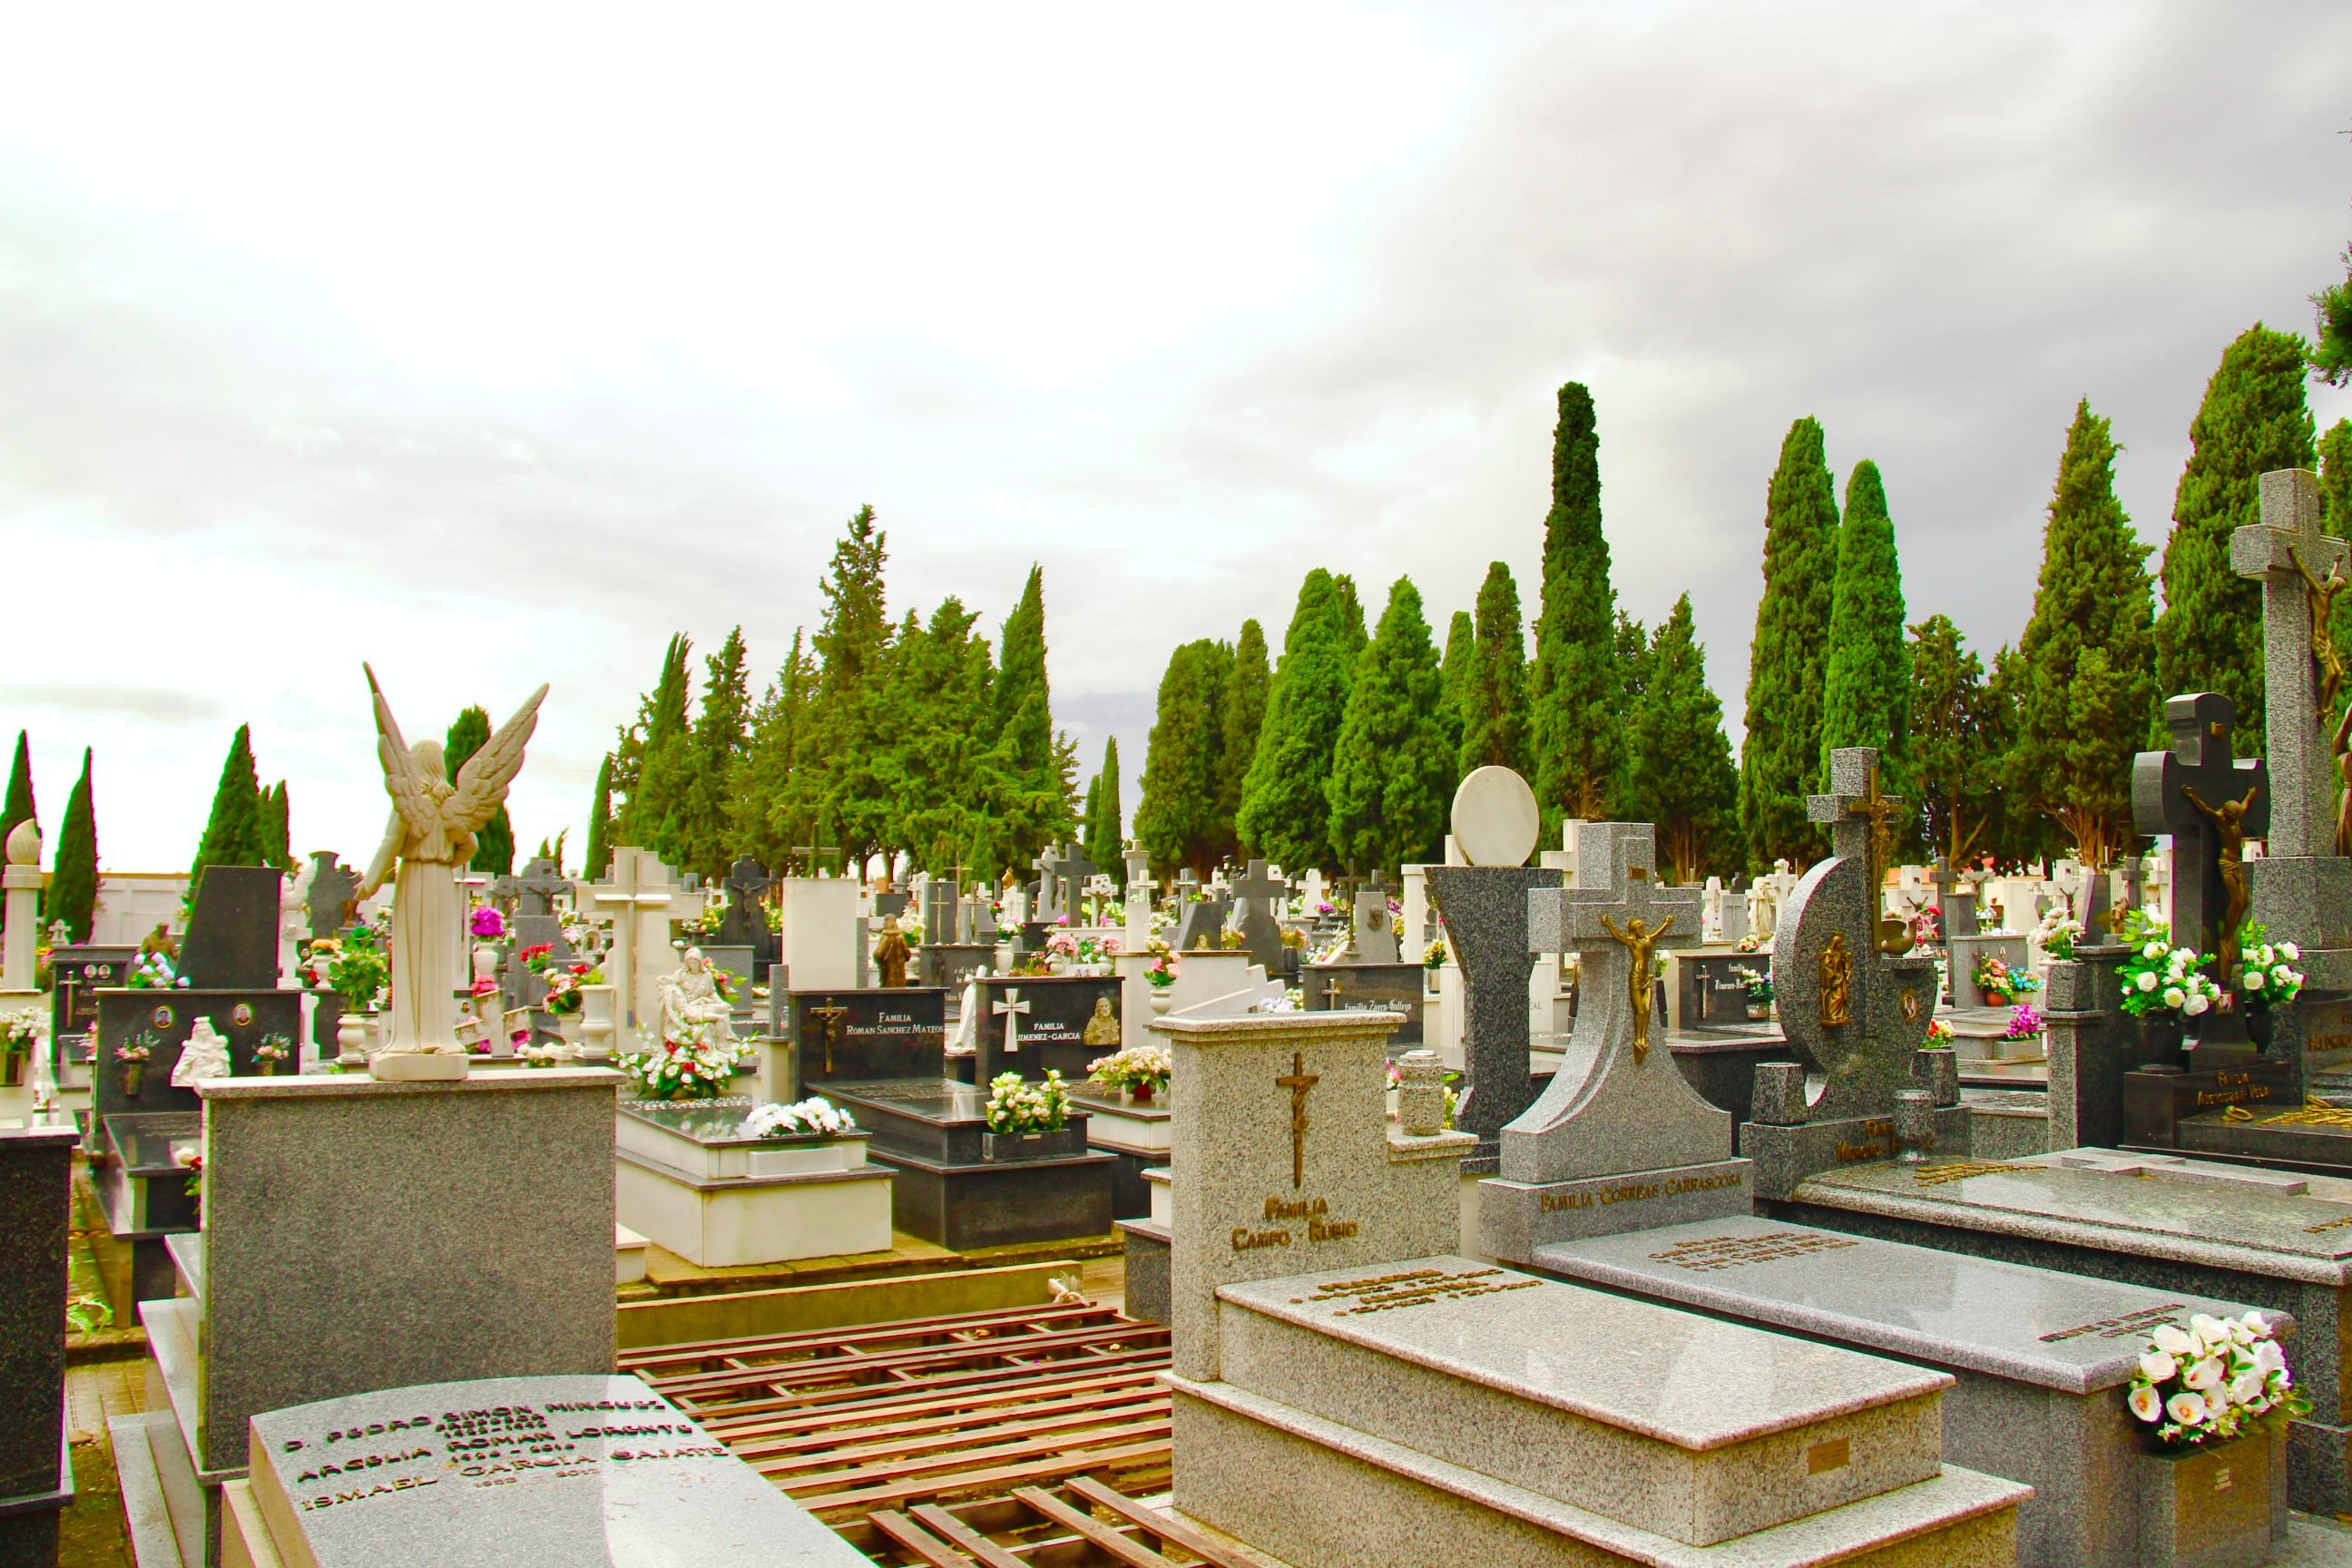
(2302, 571)
(2210, 800)
(1047, 864)
(637, 894)
(334, 887)
(1071, 870)
(1615, 918)
(828, 1019)
(1011, 1009)
(1954, 899)
(1138, 897)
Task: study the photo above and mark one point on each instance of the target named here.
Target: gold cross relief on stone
(830, 1018)
(1298, 1080)
(1638, 941)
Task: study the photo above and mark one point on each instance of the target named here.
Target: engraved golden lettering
(1248, 1240)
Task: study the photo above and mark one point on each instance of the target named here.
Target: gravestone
(1373, 937)
(1029, 1025)
(1619, 1140)
(1853, 998)
(35, 1208)
(78, 971)
(638, 895)
(334, 895)
(232, 940)
(745, 924)
(850, 1036)
(1200, 923)
(1956, 899)
(510, 1472)
(2180, 791)
(939, 911)
(1369, 987)
(1257, 895)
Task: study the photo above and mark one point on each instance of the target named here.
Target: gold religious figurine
(891, 954)
(1837, 982)
(1638, 939)
(2326, 663)
(1298, 1080)
(1102, 1029)
(2228, 820)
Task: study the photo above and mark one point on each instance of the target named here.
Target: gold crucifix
(2327, 665)
(1890, 936)
(1638, 939)
(830, 1017)
(1298, 1080)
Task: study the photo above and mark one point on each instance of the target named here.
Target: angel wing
(482, 782)
(409, 795)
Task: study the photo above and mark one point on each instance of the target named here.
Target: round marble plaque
(1495, 817)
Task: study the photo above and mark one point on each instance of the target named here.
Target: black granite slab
(1485, 909)
(1062, 1011)
(948, 1189)
(232, 940)
(164, 1019)
(949, 965)
(866, 1036)
(2157, 1103)
(1712, 992)
(80, 971)
(36, 1210)
(1377, 987)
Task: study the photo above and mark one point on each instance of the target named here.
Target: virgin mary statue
(430, 836)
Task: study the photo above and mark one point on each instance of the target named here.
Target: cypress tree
(1285, 816)
(1176, 820)
(599, 857)
(706, 836)
(469, 731)
(1038, 765)
(1956, 756)
(1494, 689)
(233, 831)
(1867, 682)
(2253, 419)
(1348, 614)
(652, 767)
(2335, 449)
(1453, 673)
(19, 807)
(761, 808)
(2086, 664)
(1576, 725)
(1781, 757)
(2331, 357)
(277, 828)
(1105, 821)
(73, 886)
(1390, 773)
(1682, 778)
(1241, 715)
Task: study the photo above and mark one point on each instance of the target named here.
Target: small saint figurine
(1102, 1029)
(205, 1056)
(891, 954)
(1837, 982)
(692, 1009)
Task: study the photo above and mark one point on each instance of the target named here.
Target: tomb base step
(754, 1219)
(1515, 1218)
(1787, 1155)
(964, 1208)
(1349, 1500)
(1148, 1255)
(159, 1538)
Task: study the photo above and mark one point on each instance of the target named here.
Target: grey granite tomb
(1485, 909)
(1619, 1141)
(35, 1205)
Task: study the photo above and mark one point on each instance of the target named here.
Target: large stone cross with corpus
(1616, 916)
(2302, 571)
(2210, 801)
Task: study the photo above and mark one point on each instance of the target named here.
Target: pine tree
(2331, 357)
(20, 807)
(1454, 674)
(233, 831)
(2012, 835)
(73, 886)
(762, 807)
(836, 791)
(1105, 821)
(494, 845)
(1176, 819)
(1576, 723)
(1867, 679)
(1781, 758)
(2253, 419)
(1284, 814)
(1348, 614)
(1241, 714)
(1956, 757)
(2086, 665)
(599, 857)
(1683, 779)
(1494, 695)
(1390, 773)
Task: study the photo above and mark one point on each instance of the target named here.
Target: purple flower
(2023, 1023)
(489, 924)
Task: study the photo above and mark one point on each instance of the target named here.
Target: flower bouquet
(1435, 957)
(2058, 933)
(2266, 972)
(1999, 982)
(1759, 982)
(153, 972)
(564, 984)
(1017, 1105)
(487, 924)
(1939, 1033)
(2024, 1022)
(1141, 1070)
(2215, 1380)
(20, 1037)
(2161, 978)
(360, 971)
(272, 1050)
(1160, 972)
(317, 956)
(134, 1057)
(694, 1066)
(811, 1118)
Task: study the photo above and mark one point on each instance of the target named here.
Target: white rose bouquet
(2214, 1380)
(2266, 969)
(2161, 978)
(814, 1115)
(1017, 1105)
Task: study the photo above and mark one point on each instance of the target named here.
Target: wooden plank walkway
(936, 1441)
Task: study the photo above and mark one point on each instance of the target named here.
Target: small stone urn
(1162, 998)
(351, 1032)
(597, 1019)
(1421, 1094)
(1914, 1124)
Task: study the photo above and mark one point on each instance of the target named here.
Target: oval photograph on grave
(1495, 817)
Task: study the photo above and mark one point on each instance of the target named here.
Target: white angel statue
(431, 834)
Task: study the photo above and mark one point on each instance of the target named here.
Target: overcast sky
(496, 345)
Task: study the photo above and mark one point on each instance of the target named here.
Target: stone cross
(2300, 570)
(1138, 897)
(1615, 918)
(1011, 1010)
(637, 895)
(829, 1019)
(1859, 1013)
(1298, 1080)
(2200, 761)
(1070, 871)
(1047, 865)
(534, 891)
(334, 887)
(1956, 898)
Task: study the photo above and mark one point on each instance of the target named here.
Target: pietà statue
(430, 836)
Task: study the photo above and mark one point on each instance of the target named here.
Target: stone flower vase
(12, 1067)
(598, 1018)
(133, 1075)
(2223, 1503)
(1162, 998)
